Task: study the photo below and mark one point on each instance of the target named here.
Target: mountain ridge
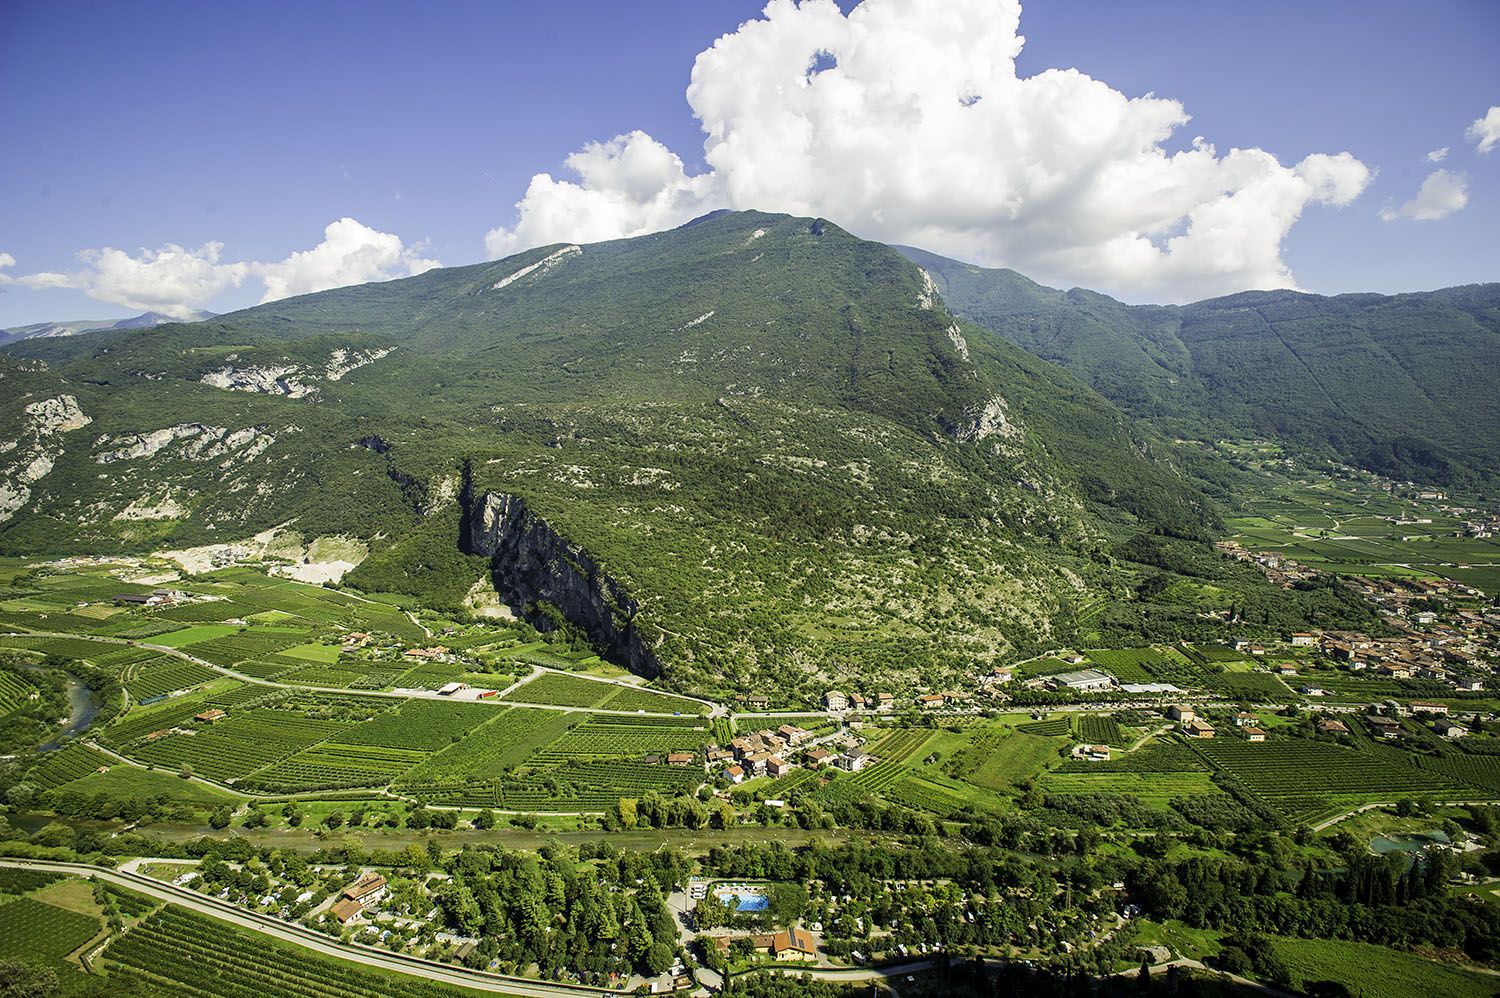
(1398, 384)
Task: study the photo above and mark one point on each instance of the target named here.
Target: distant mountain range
(1407, 385)
(72, 327)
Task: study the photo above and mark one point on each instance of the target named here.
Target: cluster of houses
(1279, 569)
(771, 753)
(156, 597)
(837, 700)
(1194, 726)
(1382, 725)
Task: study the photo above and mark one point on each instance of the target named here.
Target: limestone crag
(535, 568)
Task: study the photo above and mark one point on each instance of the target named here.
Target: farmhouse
(1092, 753)
(735, 774)
(452, 688)
(366, 890)
(793, 944)
(1384, 727)
(1448, 729)
(1331, 727)
(1179, 712)
(859, 701)
(210, 716)
(1083, 681)
(1254, 734)
(929, 701)
(1198, 729)
(1423, 707)
(757, 701)
(432, 654)
(1000, 675)
(794, 734)
(1286, 670)
(818, 756)
(885, 700)
(776, 766)
(1304, 639)
(1245, 719)
(682, 759)
(835, 700)
(855, 759)
(344, 910)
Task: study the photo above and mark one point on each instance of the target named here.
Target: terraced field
(1305, 780)
(603, 737)
(34, 930)
(498, 745)
(421, 725)
(14, 691)
(163, 674)
(176, 952)
(238, 746)
(331, 765)
(563, 691)
(69, 763)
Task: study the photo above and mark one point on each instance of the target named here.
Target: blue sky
(255, 127)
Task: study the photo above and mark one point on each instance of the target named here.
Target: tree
(658, 958)
(335, 819)
(221, 817)
(485, 820)
(26, 980)
(186, 772)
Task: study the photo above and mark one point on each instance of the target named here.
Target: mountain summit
(754, 442)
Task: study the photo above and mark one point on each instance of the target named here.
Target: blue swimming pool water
(747, 902)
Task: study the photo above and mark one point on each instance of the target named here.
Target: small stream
(83, 708)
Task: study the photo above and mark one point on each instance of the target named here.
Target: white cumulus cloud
(1441, 194)
(628, 185)
(170, 280)
(1438, 155)
(350, 253)
(1486, 131)
(177, 281)
(907, 121)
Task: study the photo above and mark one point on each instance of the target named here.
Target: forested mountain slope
(1403, 384)
(751, 443)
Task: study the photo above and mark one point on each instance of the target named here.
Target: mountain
(1400, 384)
(748, 452)
(72, 327)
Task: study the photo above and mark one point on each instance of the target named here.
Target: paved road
(306, 938)
(1390, 803)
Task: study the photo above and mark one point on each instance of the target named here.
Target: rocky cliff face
(534, 566)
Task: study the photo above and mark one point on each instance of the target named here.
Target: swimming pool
(742, 899)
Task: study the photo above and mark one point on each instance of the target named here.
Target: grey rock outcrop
(534, 567)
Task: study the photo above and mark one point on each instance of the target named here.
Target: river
(83, 707)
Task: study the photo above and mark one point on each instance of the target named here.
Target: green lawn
(192, 635)
(123, 781)
(1377, 972)
(326, 654)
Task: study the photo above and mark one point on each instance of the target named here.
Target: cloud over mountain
(908, 122)
(177, 281)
